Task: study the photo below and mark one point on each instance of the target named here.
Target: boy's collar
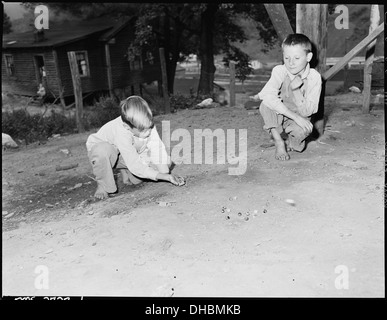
(304, 74)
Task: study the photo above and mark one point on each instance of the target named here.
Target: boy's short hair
(298, 39)
(135, 112)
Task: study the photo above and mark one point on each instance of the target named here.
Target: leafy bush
(180, 101)
(104, 110)
(19, 124)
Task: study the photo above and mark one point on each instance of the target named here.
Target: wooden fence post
(77, 90)
(109, 70)
(369, 57)
(345, 69)
(232, 84)
(164, 81)
(279, 19)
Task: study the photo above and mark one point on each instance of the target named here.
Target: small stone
(49, 251)
(239, 214)
(165, 204)
(264, 210)
(291, 202)
(65, 151)
(354, 89)
(9, 215)
(246, 218)
(228, 210)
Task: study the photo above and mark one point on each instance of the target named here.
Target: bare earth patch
(280, 229)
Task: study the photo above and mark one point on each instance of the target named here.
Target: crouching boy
(291, 96)
(130, 143)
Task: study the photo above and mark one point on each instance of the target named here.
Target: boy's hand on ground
(296, 83)
(176, 180)
(305, 124)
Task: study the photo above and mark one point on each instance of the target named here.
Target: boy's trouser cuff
(271, 118)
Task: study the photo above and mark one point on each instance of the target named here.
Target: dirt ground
(328, 242)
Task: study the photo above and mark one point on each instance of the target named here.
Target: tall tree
(7, 25)
(206, 49)
(205, 29)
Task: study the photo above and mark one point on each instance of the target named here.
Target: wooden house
(106, 59)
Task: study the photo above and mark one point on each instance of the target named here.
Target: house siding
(97, 80)
(25, 81)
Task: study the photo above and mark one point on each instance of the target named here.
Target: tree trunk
(175, 53)
(312, 21)
(206, 50)
(171, 43)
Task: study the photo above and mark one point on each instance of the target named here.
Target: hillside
(359, 21)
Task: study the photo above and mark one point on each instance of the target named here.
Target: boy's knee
(103, 151)
(270, 118)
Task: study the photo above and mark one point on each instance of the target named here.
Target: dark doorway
(40, 69)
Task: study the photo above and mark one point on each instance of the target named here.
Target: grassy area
(184, 85)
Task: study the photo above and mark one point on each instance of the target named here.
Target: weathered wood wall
(97, 79)
(24, 81)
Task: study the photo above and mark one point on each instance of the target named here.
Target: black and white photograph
(193, 150)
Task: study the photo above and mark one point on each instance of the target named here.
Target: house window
(149, 58)
(83, 63)
(134, 58)
(10, 67)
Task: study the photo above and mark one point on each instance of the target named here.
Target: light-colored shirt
(130, 147)
(306, 97)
